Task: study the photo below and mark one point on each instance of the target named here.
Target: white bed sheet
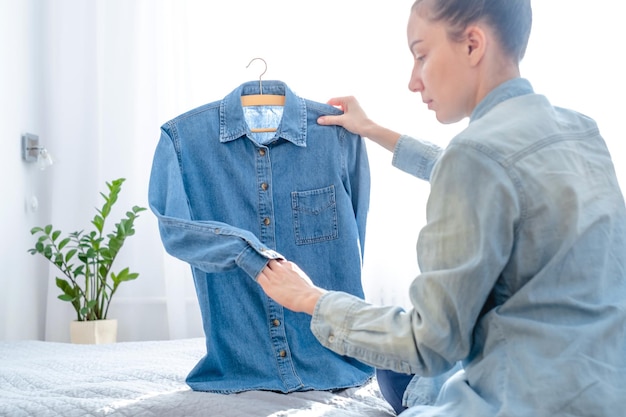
(147, 379)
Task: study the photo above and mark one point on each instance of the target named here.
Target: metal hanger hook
(260, 76)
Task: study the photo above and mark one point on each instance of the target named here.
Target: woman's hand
(353, 118)
(356, 121)
(289, 286)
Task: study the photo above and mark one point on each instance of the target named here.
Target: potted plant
(85, 259)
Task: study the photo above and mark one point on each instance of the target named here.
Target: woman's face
(441, 72)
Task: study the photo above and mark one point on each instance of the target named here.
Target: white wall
(22, 286)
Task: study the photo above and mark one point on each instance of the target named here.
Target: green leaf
(76, 235)
(98, 221)
(102, 271)
(70, 253)
(106, 208)
(69, 292)
(124, 275)
(79, 270)
(64, 243)
(115, 244)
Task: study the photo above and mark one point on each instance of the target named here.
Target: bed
(148, 379)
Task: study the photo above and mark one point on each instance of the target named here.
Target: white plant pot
(93, 331)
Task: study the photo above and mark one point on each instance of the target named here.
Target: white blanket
(147, 379)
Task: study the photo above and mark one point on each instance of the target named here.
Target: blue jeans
(424, 390)
(392, 385)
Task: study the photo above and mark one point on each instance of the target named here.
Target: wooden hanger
(262, 99)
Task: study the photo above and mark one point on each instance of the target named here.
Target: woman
(523, 256)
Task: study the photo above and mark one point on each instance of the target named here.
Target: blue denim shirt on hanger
(228, 200)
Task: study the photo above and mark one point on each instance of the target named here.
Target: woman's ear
(476, 43)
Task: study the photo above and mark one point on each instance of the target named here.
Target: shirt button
(266, 221)
(331, 339)
(276, 322)
(282, 353)
(262, 152)
(264, 186)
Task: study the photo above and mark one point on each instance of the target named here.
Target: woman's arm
(356, 121)
(414, 156)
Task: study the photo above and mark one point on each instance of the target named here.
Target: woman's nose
(415, 82)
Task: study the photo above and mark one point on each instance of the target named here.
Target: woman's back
(553, 338)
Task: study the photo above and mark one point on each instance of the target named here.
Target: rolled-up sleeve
(379, 336)
(416, 157)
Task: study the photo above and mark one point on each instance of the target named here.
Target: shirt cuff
(330, 319)
(415, 157)
(253, 261)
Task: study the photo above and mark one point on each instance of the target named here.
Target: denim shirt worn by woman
(522, 270)
(228, 200)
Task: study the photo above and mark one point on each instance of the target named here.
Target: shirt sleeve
(462, 251)
(416, 157)
(208, 245)
(359, 183)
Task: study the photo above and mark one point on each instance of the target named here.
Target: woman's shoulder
(523, 124)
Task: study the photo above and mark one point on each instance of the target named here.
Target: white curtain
(115, 70)
(108, 90)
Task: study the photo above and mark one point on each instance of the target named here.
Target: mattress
(148, 379)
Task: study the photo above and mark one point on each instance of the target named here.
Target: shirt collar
(293, 123)
(508, 89)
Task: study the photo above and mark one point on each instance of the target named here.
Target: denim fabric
(425, 390)
(522, 271)
(226, 204)
(392, 386)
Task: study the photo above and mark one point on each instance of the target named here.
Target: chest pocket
(314, 215)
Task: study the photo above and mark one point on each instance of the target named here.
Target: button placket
(277, 334)
(266, 208)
